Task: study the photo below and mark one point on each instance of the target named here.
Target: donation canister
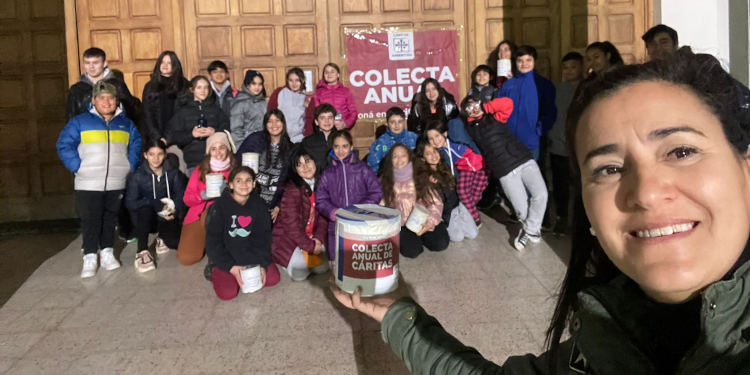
(367, 248)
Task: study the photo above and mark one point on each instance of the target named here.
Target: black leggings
(435, 240)
(148, 221)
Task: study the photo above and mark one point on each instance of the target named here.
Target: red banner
(387, 68)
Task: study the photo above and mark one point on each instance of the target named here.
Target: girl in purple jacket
(345, 182)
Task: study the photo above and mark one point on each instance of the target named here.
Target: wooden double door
(267, 35)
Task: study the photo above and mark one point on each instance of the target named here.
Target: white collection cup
(503, 67)
(251, 279)
(250, 159)
(417, 218)
(213, 184)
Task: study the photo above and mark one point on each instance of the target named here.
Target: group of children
(440, 158)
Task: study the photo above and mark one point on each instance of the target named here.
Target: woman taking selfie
(658, 281)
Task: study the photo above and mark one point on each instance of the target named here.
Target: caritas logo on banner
(387, 68)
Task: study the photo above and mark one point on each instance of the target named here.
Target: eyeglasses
(472, 107)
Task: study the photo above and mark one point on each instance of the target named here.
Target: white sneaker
(107, 259)
(144, 262)
(161, 247)
(523, 239)
(89, 266)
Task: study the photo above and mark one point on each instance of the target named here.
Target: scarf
(403, 174)
(218, 166)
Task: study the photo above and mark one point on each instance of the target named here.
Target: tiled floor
(169, 321)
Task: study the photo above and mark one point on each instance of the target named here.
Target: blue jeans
(527, 192)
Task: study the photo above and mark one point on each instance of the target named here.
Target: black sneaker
(208, 270)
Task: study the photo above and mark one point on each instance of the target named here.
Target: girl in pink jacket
(330, 90)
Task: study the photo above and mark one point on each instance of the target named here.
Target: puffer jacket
(317, 146)
(79, 97)
(146, 189)
(246, 115)
(460, 157)
(484, 94)
(289, 228)
(385, 142)
(344, 183)
(336, 95)
(417, 122)
(501, 150)
(100, 154)
(192, 197)
(159, 107)
(605, 334)
(180, 129)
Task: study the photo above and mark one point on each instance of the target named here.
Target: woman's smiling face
(665, 192)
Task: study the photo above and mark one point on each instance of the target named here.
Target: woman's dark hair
(285, 144)
(339, 134)
(704, 77)
(237, 170)
(149, 143)
(436, 124)
(422, 104)
(172, 85)
(495, 54)
(607, 47)
(483, 68)
(294, 161)
(442, 174)
(425, 189)
(300, 74)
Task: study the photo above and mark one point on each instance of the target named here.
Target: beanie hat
(220, 138)
(249, 75)
(102, 87)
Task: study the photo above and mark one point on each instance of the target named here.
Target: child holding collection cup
(205, 184)
(407, 187)
(238, 239)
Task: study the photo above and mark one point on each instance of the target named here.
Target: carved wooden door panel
(269, 36)
(132, 32)
(533, 22)
(555, 27)
(33, 81)
(622, 22)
